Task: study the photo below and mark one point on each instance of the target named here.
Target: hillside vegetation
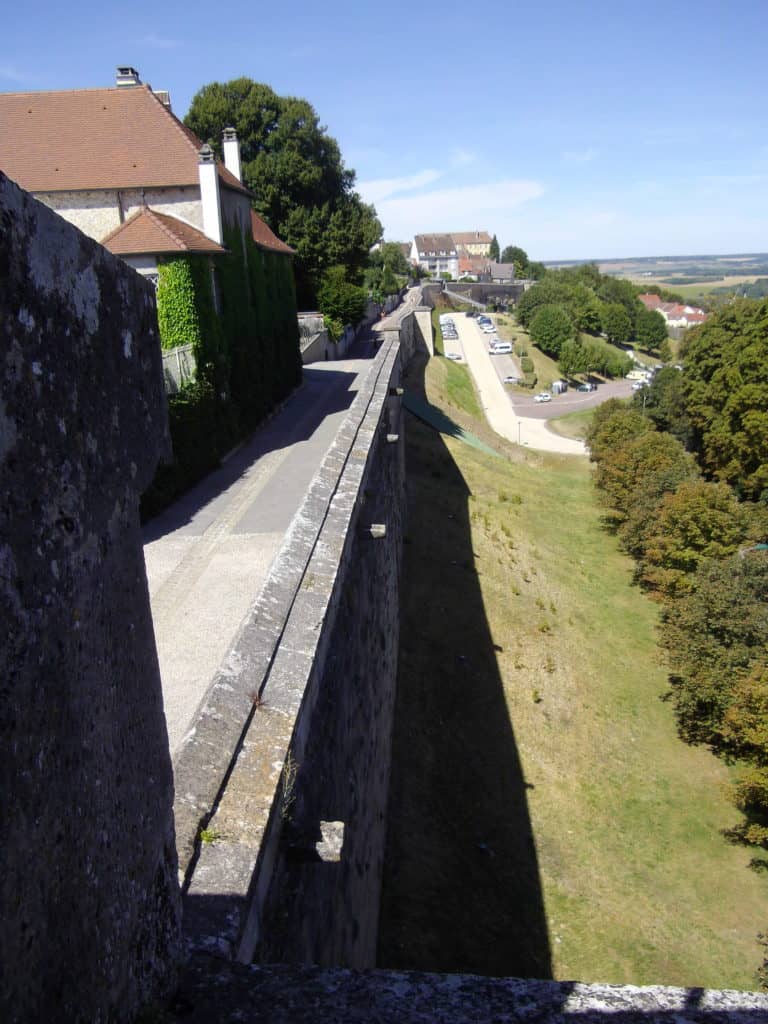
(545, 819)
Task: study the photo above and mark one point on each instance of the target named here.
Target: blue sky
(576, 130)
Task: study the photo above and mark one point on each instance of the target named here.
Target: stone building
(120, 166)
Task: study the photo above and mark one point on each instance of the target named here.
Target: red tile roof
(97, 139)
(265, 237)
(151, 232)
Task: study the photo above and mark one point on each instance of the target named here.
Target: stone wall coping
(213, 990)
(265, 674)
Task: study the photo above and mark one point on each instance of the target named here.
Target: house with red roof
(119, 165)
(676, 314)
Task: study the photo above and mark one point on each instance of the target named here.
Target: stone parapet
(294, 995)
(293, 736)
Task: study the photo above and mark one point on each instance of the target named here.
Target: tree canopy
(296, 173)
(551, 328)
(725, 387)
(650, 329)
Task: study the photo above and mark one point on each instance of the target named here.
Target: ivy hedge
(247, 354)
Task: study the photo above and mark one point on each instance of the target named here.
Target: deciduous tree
(551, 328)
(726, 395)
(616, 323)
(650, 329)
(295, 170)
(700, 520)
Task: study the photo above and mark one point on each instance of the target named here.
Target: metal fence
(178, 367)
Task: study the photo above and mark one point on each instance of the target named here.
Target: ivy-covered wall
(247, 354)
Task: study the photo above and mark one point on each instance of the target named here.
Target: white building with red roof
(676, 314)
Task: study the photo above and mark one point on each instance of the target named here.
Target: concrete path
(208, 555)
(487, 371)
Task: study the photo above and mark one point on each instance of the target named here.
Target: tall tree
(494, 250)
(616, 323)
(650, 329)
(295, 170)
(514, 254)
(551, 328)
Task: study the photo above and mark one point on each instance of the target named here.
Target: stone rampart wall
(88, 891)
(416, 333)
(290, 864)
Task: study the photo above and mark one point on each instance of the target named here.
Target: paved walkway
(208, 555)
(495, 400)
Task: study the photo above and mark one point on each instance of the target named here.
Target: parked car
(637, 385)
(586, 387)
(455, 356)
(543, 396)
(500, 348)
(510, 379)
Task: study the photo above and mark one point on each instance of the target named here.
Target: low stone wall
(318, 347)
(416, 333)
(305, 995)
(292, 863)
(89, 899)
(486, 292)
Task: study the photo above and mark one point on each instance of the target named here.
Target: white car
(454, 356)
(543, 396)
(638, 384)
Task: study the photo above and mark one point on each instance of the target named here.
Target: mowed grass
(545, 819)
(573, 424)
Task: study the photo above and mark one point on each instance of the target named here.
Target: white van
(500, 348)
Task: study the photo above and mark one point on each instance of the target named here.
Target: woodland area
(684, 479)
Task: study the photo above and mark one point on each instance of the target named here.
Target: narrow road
(208, 555)
(501, 414)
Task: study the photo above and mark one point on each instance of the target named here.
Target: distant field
(694, 287)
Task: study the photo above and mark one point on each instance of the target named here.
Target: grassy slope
(545, 819)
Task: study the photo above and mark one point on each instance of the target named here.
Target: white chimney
(209, 194)
(127, 76)
(231, 148)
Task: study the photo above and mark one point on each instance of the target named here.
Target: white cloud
(382, 188)
(453, 209)
(160, 42)
(579, 156)
(462, 157)
(12, 74)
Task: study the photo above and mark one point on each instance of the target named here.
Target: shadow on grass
(461, 881)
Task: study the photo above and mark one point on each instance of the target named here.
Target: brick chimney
(126, 77)
(209, 194)
(231, 147)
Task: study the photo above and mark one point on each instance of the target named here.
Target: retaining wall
(88, 894)
(292, 865)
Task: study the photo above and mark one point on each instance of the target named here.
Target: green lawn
(573, 424)
(545, 819)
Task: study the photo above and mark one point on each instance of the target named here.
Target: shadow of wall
(461, 882)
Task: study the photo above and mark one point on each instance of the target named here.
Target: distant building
(472, 243)
(435, 253)
(501, 273)
(676, 314)
(474, 266)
